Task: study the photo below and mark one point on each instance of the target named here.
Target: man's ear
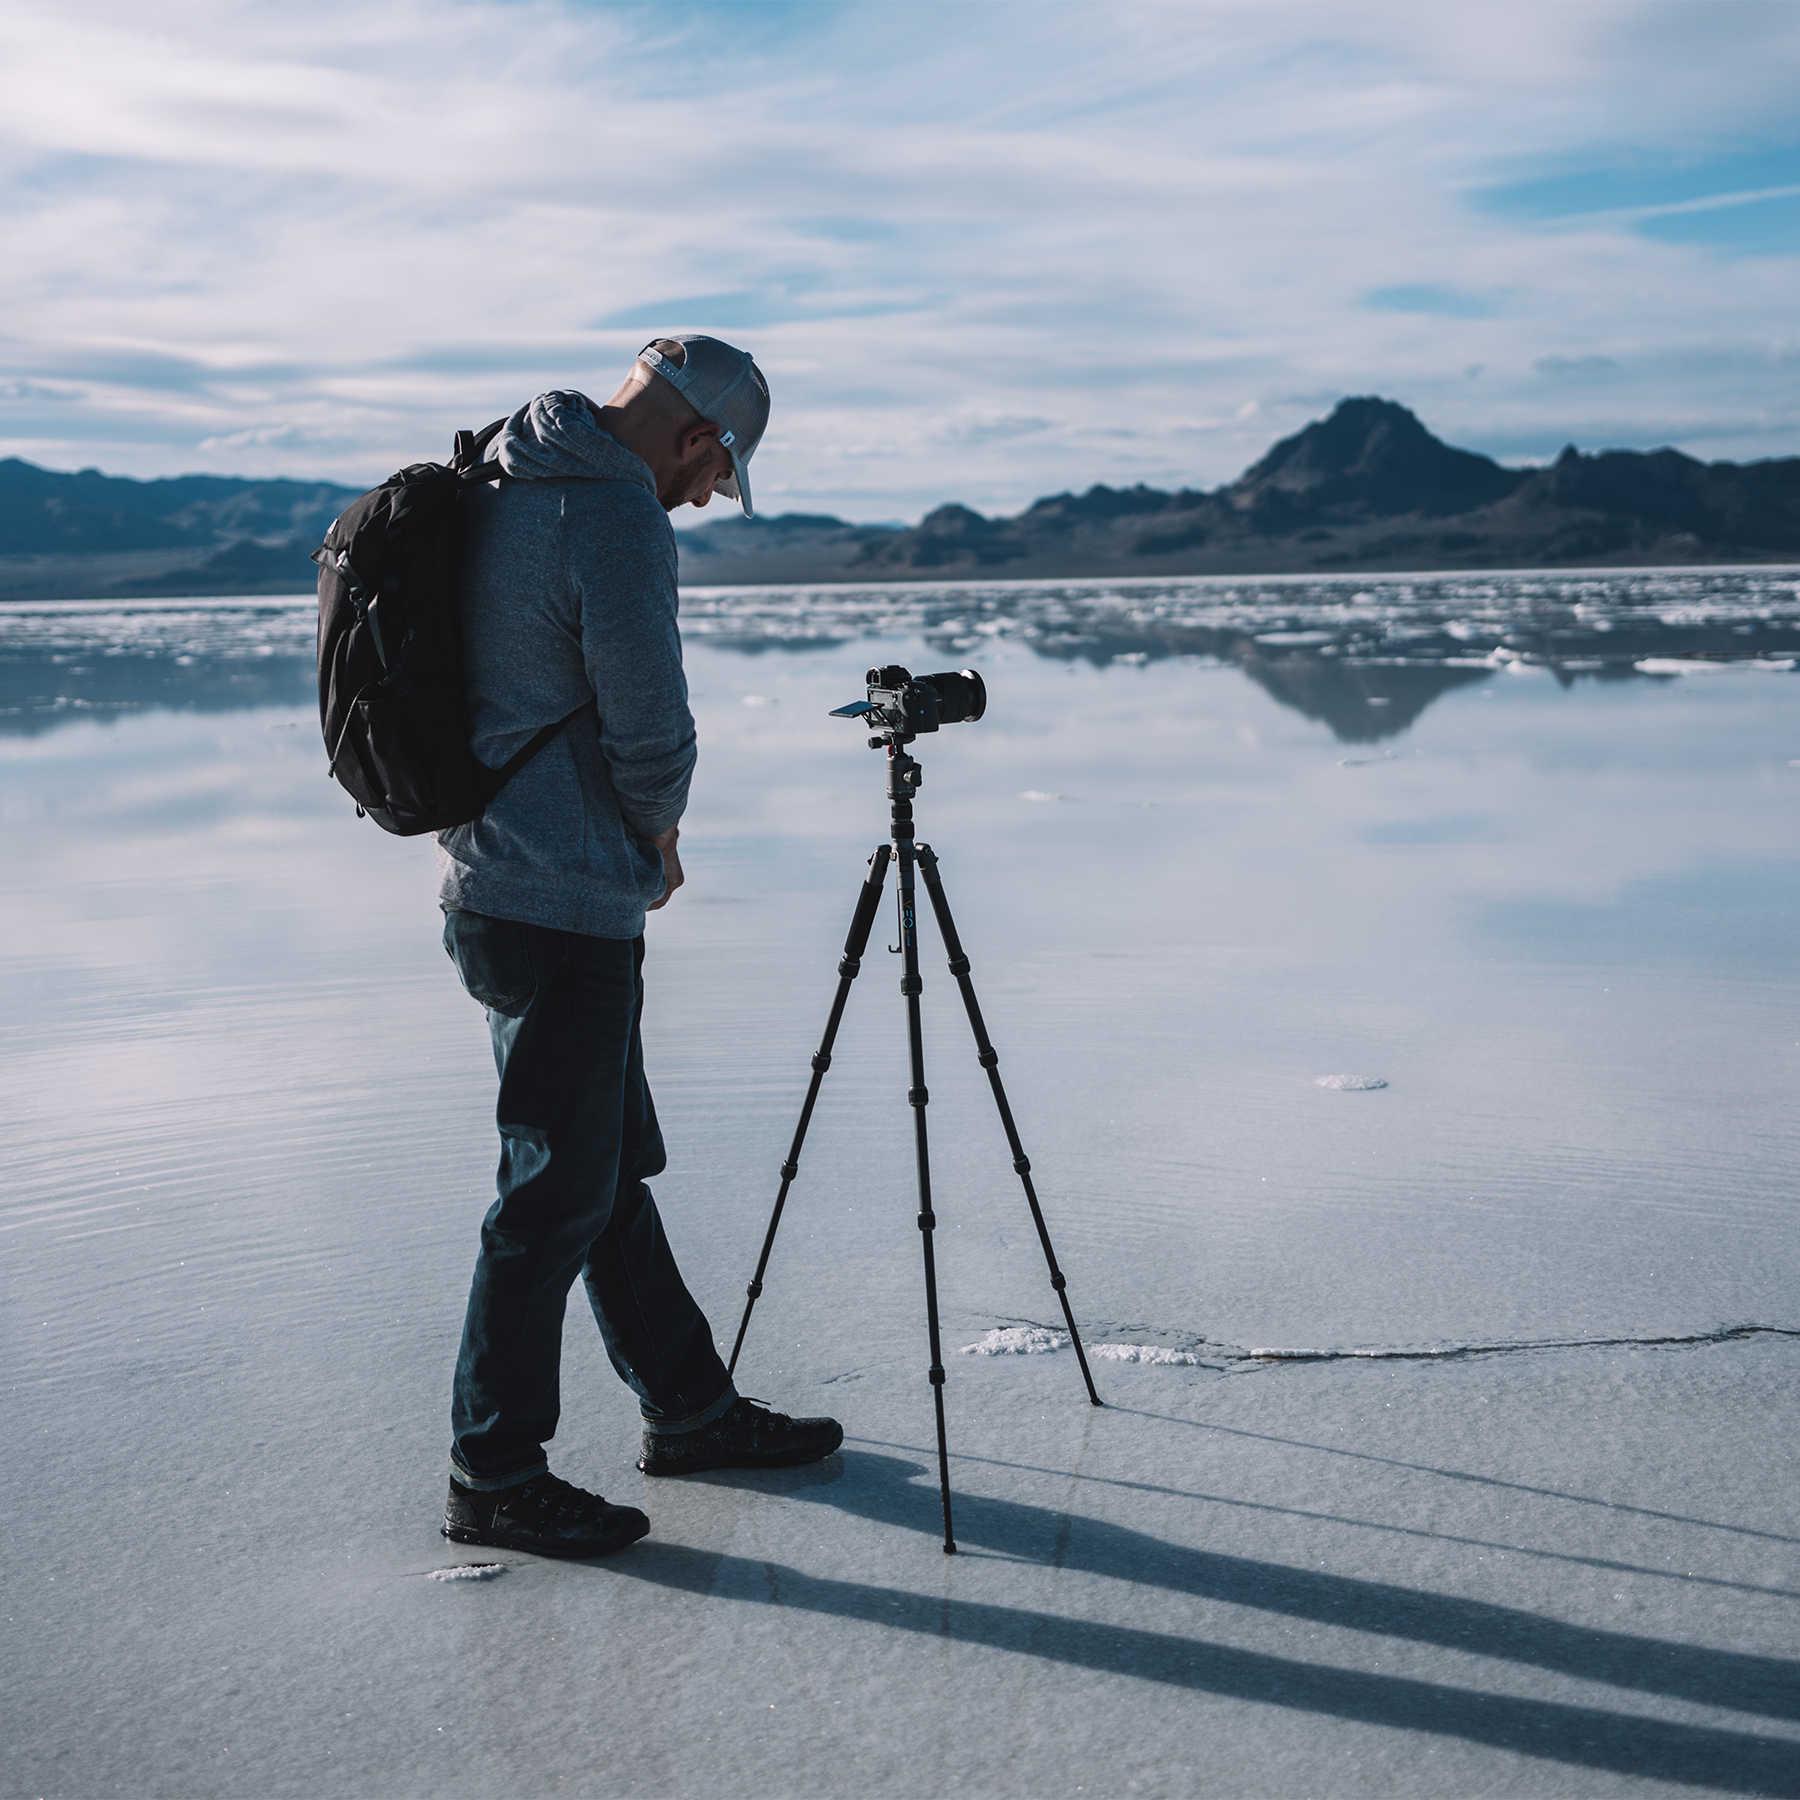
(696, 435)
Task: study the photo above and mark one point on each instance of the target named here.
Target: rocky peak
(1372, 454)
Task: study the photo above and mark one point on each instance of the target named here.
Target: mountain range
(1368, 488)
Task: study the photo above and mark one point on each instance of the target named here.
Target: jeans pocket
(493, 959)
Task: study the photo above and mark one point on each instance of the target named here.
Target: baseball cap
(725, 387)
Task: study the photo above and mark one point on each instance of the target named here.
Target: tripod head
(901, 705)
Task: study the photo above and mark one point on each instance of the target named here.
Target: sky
(983, 252)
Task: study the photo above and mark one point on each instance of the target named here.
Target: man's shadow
(892, 1491)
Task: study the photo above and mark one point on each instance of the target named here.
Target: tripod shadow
(1582, 1736)
(1128, 1485)
(891, 1491)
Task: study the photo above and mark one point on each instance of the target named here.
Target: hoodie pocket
(647, 860)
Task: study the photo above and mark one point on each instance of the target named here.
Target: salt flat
(1513, 1515)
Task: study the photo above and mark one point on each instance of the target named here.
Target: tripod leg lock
(849, 966)
(789, 1170)
(911, 984)
(822, 1061)
(754, 1290)
(1022, 1163)
(989, 1058)
(918, 1096)
(1058, 1280)
(959, 966)
(927, 1221)
(936, 1376)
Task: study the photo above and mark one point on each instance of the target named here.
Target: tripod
(903, 778)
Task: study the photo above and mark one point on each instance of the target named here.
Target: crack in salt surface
(1033, 1339)
(1723, 1334)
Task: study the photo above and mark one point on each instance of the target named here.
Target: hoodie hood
(557, 438)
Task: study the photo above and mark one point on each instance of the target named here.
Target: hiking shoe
(749, 1436)
(545, 1515)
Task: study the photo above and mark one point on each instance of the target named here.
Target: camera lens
(962, 695)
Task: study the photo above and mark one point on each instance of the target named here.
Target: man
(569, 607)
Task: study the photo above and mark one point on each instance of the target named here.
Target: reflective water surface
(1524, 848)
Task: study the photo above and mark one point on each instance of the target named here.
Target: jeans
(578, 1137)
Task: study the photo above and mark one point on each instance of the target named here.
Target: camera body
(901, 705)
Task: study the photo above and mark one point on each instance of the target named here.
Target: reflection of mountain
(41, 690)
(38, 693)
(1361, 704)
(1362, 658)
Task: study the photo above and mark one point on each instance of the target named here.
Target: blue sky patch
(1429, 297)
(1746, 201)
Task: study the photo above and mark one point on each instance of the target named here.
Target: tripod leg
(910, 986)
(990, 1060)
(855, 942)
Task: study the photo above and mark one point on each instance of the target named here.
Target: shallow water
(1448, 836)
(1547, 899)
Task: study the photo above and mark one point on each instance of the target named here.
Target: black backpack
(390, 650)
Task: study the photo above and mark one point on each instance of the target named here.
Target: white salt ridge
(1017, 1340)
(467, 1572)
(1154, 1354)
(1703, 665)
(1350, 1084)
(1040, 1340)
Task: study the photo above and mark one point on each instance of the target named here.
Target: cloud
(272, 437)
(992, 428)
(317, 243)
(1576, 368)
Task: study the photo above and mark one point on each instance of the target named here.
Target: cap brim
(736, 485)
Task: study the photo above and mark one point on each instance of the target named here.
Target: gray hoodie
(569, 598)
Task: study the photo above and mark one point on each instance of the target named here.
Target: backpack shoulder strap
(467, 456)
(498, 778)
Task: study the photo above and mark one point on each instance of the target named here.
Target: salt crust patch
(1038, 796)
(1148, 1353)
(1039, 1340)
(1702, 665)
(1017, 1340)
(468, 1572)
(1350, 1084)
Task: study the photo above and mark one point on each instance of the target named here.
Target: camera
(901, 705)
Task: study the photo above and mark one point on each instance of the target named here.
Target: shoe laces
(558, 1501)
(768, 1415)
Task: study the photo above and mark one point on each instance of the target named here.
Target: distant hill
(1369, 488)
